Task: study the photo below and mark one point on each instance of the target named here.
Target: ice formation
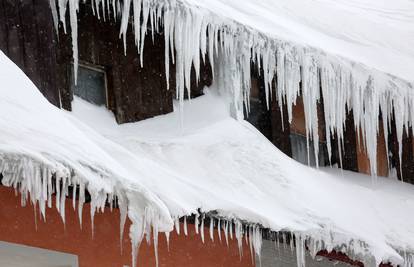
(42, 162)
(272, 190)
(230, 45)
(290, 68)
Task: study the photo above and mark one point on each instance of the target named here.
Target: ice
(249, 179)
(185, 226)
(300, 250)
(239, 236)
(44, 160)
(212, 229)
(219, 229)
(177, 225)
(363, 85)
(226, 234)
(196, 223)
(202, 229)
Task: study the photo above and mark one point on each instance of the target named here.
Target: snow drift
(214, 166)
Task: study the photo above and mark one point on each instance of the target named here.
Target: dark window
(300, 151)
(91, 85)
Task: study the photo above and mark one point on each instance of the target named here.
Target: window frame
(93, 67)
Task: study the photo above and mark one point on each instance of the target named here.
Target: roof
(356, 55)
(378, 34)
(214, 163)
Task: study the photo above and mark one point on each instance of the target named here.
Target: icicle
(196, 222)
(167, 238)
(155, 237)
(123, 210)
(92, 214)
(246, 234)
(52, 4)
(212, 229)
(251, 242)
(74, 196)
(257, 243)
(62, 200)
(177, 225)
(124, 22)
(226, 232)
(202, 229)
(185, 226)
(62, 13)
(136, 235)
(300, 250)
(137, 20)
(145, 14)
(231, 229)
(57, 187)
(73, 5)
(239, 236)
(167, 23)
(219, 229)
(81, 202)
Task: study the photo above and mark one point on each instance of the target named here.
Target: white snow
(363, 52)
(225, 165)
(159, 172)
(39, 143)
(360, 52)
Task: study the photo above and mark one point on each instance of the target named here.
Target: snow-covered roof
(160, 171)
(358, 53)
(378, 34)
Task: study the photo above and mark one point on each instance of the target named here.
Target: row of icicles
(39, 184)
(190, 32)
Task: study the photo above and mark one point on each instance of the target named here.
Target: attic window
(91, 85)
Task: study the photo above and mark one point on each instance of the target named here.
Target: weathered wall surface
(27, 36)
(103, 249)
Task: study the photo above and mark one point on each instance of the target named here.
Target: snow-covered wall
(359, 55)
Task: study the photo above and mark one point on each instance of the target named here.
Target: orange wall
(17, 225)
(298, 124)
(363, 161)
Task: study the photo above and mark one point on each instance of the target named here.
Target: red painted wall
(17, 225)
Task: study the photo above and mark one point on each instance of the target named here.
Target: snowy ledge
(227, 32)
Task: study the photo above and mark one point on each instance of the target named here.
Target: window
(91, 85)
(300, 151)
(23, 256)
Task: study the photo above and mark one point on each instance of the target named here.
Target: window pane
(91, 85)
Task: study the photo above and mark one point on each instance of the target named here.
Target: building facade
(110, 77)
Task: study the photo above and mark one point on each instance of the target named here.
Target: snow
(214, 164)
(227, 166)
(43, 151)
(200, 158)
(360, 53)
(379, 34)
